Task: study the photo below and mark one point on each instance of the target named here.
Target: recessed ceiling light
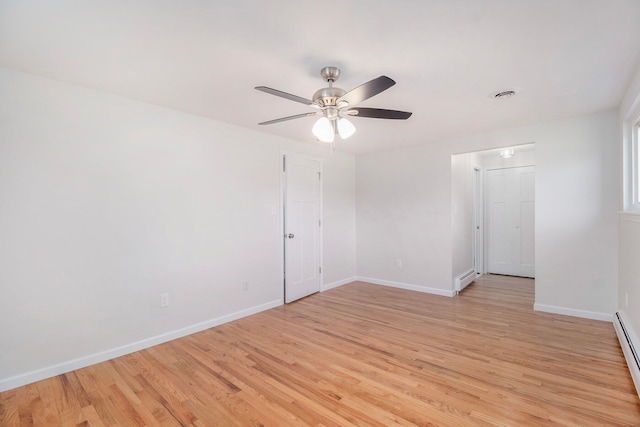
(503, 94)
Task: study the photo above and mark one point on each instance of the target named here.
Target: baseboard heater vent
(627, 340)
(465, 280)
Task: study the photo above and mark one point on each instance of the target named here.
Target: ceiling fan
(333, 104)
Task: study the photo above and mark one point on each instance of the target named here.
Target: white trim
(630, 216)
(626, 349)
(283, 210)
(81, 362)
(302, 156)
(478, 220)
(321, 225)
(282, 218)
(337, 283)
(573, 312)
(634, 198)
(410, 287)
(630, 158)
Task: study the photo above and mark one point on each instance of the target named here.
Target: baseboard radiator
(630, 347)
(465, 280)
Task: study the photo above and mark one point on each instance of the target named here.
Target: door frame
(478, 221)
(283, 209)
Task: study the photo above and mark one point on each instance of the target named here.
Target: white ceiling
(567, 57)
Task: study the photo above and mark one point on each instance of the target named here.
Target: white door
(510, 221)
(301, 227)
(478, 226)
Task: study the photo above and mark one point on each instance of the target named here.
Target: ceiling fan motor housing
(327, 97)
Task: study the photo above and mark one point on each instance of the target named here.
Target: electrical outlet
(398, 263)
(245, 286)
(164, 300)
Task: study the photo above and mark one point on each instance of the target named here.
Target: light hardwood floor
(360, 354)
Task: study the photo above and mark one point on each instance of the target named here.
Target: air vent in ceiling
(505, 94)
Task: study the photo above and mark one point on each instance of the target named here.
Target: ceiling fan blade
(378, 113)
(366, 90)
(284, 119)
(284, 95)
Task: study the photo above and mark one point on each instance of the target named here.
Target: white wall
(404, 211)
(339, 220)
(629, 291)
(576, 216)
(403, 206)
(629, 273)
(462, 221)
(105, 203)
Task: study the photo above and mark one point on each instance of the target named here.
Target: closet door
(510, 221)
(302, 227)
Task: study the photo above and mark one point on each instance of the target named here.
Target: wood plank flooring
(361, 355)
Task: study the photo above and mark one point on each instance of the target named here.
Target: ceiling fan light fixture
(345, 128)
(323, 130)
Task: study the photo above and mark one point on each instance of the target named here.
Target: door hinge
(319, 173)
(284, 162)
(319, 224)
(320, 270)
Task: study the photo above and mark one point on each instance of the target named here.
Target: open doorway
(492, 211)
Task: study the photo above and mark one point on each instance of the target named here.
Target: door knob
(291, 235)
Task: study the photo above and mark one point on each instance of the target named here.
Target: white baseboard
(628, 339)
(332, 285)
(81, 362)
(594, 315)
(410, 287)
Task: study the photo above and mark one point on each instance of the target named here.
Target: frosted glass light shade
(506, 153)
(345, 128)
(323, 130)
